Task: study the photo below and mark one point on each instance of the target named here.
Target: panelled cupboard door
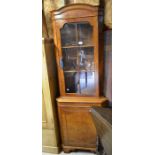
(77, 127)
(77, 42)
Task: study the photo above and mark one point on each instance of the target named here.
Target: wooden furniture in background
(78, 39)
(50, 135)
(102, 118)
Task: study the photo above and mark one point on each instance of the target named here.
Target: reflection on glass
(68, 34)
(73, 34)
(78, 58)
(75, 59)
(87, 83)
(85, 33)
(81, 83)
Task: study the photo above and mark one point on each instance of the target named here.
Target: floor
(72, 153)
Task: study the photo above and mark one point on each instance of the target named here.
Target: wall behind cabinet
(49, 5)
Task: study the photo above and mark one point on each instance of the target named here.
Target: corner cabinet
(78, 39)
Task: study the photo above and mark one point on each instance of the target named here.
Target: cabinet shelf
(71, 71)
(78, 46)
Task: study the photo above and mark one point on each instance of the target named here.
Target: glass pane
(85, 33)
(79, 70)
(73, 34)
(71, 82)
(80, 82)
(87, 83)
(69, 59)
(78, 58)
(68, 34)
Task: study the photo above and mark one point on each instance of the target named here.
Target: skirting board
(50, 149)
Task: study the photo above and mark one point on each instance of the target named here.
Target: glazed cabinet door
(78, 57)
(77, 128)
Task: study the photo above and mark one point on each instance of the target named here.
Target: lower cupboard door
(77, 127)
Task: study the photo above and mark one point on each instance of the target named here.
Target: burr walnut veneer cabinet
(78, 40)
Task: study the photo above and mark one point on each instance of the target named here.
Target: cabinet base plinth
(68, 149)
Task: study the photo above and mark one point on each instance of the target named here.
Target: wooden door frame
(93, 21)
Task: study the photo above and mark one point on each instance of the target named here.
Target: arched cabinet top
(76, 11)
